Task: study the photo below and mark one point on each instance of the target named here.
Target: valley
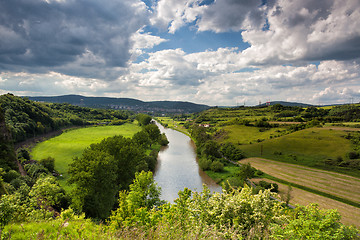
(107, 158)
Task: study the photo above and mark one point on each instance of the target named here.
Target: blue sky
(213, 52)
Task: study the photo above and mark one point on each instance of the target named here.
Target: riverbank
(177, 166)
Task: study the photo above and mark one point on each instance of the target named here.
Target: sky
(214, 52)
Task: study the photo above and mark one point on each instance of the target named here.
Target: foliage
(231, 152)
(246, 172)
(310, 222)
(142, 138)
(266, 185)
(153, 132)
(235, 214)
(48, 193)
(23, 154)
(345, 113)
(163, 141)
(48, 163)
(217, 166)
(27, 119)
(135, 206)
(19, 207)
(7, 153)
(107, 167)
(94, 175)
(199, 134)
(205, 163)
(143, 119)
(35, 170)
(211, 148)
(72, 142)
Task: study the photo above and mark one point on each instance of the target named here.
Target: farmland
(329, 182)
(350, 215)
(310, 147)
(316, 150)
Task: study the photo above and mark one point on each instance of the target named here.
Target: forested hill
(126, 103)
(25, 118)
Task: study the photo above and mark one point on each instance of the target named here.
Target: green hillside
(26, 119)
(312, 147)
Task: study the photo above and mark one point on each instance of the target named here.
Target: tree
(217, 166)
(144, 192)
(246, 172)
(103, 170)
(143, 119)
(48, 163)
(94, 175)
(211, 148)
(142, 138)
(48, 192)
(153, 131)
(135, 206)
(163, 141)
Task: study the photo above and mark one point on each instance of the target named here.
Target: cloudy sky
(222, 52)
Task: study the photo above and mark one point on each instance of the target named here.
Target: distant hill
(289, 104)
(126, 103)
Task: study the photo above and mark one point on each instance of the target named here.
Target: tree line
(26, 119)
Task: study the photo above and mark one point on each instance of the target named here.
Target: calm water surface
(177, 167)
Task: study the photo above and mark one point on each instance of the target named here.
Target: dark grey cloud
(53, 34)
(318, 10)
(229, 15)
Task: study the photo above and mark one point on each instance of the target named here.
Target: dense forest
(114, 196)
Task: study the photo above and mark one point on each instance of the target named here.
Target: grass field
(350, 215)
(71, 144)
(221, 115)
(309, 147)
(336, 184)
(240, 134)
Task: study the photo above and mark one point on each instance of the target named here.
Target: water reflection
(177, 167)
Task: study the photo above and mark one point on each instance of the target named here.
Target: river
(177, 167)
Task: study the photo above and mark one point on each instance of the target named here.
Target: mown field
(336, 184)
(350, 215)
(71, 144)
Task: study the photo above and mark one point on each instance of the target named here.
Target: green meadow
(71, 144)
(240, 134)
(310, 147)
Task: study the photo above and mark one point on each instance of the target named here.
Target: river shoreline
(177, 166)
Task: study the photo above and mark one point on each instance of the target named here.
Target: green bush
(10, 175)
(353, 155)
(266, 185)
(48, 163)
(205, 163)
(217, 166)
(163, 141)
